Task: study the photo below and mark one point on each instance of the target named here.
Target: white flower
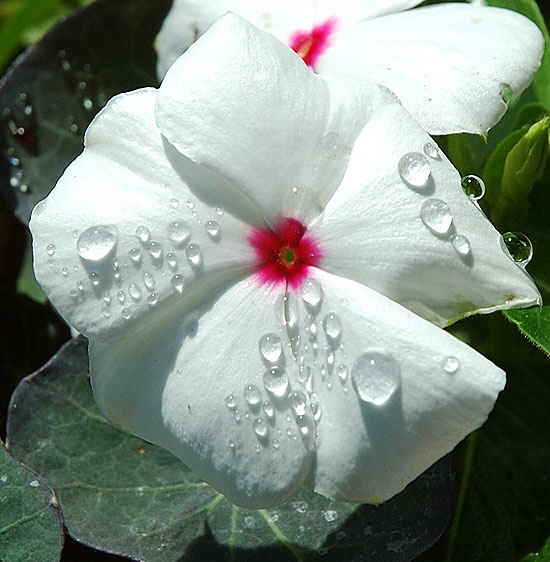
(228, 244)
(451, 65)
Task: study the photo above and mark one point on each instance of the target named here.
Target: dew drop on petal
(269, 411)
(376, 376)
(178, 283)
(342, 372)
(450, 364)
(252, 395)
(332, 326)
(135, 292)
(212, 229)
(276, 381)
(152, 298)
(230, 401)
(312, 293)
(431, 151)
(260, 428)
(271, 348)
(155, 250)
(414, 170)
(179, 232)
(330, 515)
(518, 247)
(149, 281)
(194, 256)
(50, 250)
(96, 243)
(143, 233)
(461, 244)
(126, 313)
(172, 260)
(135, 255)
(436, 215)
(298, 402)
(121, 297)
(473, 187)
(316, 411)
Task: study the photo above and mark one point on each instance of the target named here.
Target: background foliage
(65, 465)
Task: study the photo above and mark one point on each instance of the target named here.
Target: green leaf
(53, 91)
(533, 323)
(530, 9)
(543, 555)
(124, 495)
(511, 172)
(507, 507)
(30, 520)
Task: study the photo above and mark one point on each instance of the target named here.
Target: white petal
(188, 19)
(449, 64)
(246, 107)
(352, 11)
(123, 181)
(372, 229)
(168, 383)
(398, 410)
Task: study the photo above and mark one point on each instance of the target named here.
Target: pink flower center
(285, 253)
(310, 45)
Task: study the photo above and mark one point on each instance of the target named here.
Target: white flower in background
(451, 65)
(228, 244)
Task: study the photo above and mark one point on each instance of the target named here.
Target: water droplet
(155, 250)
(179, 232)
(342, 372)
(194, 256)
(135, 292)
(462, 245)
(473, 187)
(143, 233)
(50, 250)
(376, 376)
(4, 478)
(260, 427)
(276, 443)
(330, 515)
(312, 293)
(212, 229)
(436, 215)
(414, 170)
(107, 299)
(121, 297)
(298, 402)
(276, 381)
(219, 211)
(149, 281)
(518, 247)
(268, 409)
(230, 401)
(174, 203)
(236, 415)
(95, 279)
(190, 204)
(332, 326)
(172, 260)
(450, 364)
(231, 445)
(252, 395)
(135, 255)
(178, 282)
(152, 298)
(96, 243)
(271, 348)
(34, 483)
(431, 151)
(316, 411)
(65, 271)
(126, 313)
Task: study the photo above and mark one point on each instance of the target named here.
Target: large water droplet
(376, 376)
(518, 247)
(179, 232)
(332, 326)
(143, 233)
(276, 381)
(473, 187)
(414, 170)
(312, 293)
(436, 215)
(298, 402)
(450, 365)
(155, 250)
(135, 255)
(271, 348)
(194, 256)
(178, 282)
(461, 244)
(213, 229)
(135, 292)
(252, 395)
(96, 243)
(260, 428)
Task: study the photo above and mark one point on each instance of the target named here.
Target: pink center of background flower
(284, 253)
(310, 45)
